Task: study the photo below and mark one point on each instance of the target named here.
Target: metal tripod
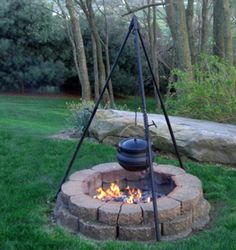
(134, 27)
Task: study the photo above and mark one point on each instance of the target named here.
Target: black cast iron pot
(133, 154)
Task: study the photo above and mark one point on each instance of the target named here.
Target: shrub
(210, 95)
(79, 114)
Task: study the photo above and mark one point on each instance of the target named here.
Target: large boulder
(197, 139)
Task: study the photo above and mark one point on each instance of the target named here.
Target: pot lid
(133, 145)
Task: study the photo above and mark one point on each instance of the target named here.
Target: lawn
(31, 166)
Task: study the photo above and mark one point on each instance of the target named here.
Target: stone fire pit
(181, 209)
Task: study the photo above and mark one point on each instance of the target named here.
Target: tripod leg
(162, 103)
(146, 127)
(94, 112)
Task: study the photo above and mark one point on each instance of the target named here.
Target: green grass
(33, 114)
(31, 166)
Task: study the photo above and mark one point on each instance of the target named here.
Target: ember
(129, 195)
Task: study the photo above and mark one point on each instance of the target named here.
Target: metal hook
(152, 124)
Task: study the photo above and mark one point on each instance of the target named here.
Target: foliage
(31, 168)
(30, 45)
(211, 95)
(80, 113)
(133, 103)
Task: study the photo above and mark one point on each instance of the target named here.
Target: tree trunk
(218, 29)
(85, 85)
(71, 38)
(152, 41)
(154, 50)
(170, 12)
(205, 26)
(177, 22)
(95, 69)
(88, 10)
(189, 21)
(227, 32)
(108, 67)
(149, 29)
(223, 46)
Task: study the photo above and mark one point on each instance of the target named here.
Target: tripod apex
(134, 24)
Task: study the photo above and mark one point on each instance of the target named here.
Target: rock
(197, 139)
(201, 211)
(188, 196)
(168, 209)
(187, 180)
(130, 214)
(176, 236)
(139, 233)
(201, 223)
(179, 225)
(97, 230)
(71, 188)
(166, 169)
(67, 220)
(84, 207)
(109, 212)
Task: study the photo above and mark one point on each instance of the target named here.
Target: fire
(113, 191)
(100, 194)
(129, 195)
(134, 195)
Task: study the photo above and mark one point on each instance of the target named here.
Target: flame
(133, 195)
(113, 190)
(100, 194)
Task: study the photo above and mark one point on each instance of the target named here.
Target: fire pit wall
(181, 209)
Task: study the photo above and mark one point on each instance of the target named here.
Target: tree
(106, 45)
(30, 42)
(79, 46)
(205, 25)
(223, 46)
(95, 69)
(177, 22)
(86, 6)
(70, 36)
(152, 30)
(152, 34)
(189, 21)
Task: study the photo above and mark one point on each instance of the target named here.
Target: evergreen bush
(31, 43)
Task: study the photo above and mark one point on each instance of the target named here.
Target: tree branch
(142, 7)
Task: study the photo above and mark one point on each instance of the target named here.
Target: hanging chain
(135, 107)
